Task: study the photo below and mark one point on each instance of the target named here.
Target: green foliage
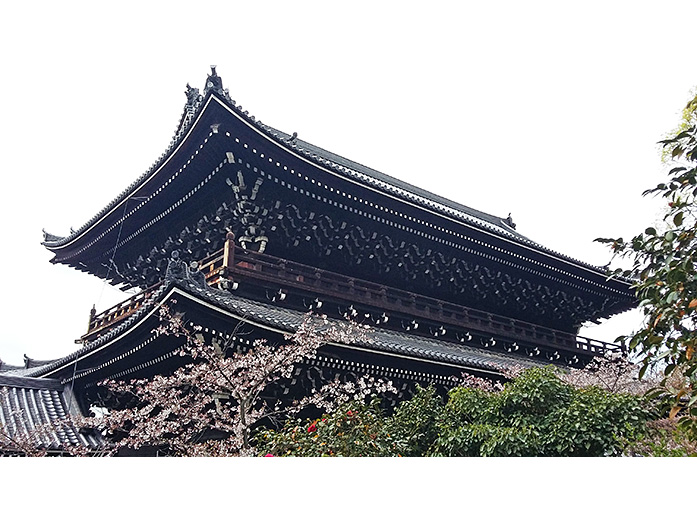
(688, 119)
(664, 266)
(355, 429)
(532, 395)
(414, 422)
(468, 406)
(486, 440)
(596, 422)
(537, 414)
(664, 438)
(358, 429)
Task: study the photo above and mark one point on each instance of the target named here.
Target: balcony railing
(239, 264)
(100, 323)
(232, 264)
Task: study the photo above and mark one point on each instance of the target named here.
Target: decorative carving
(193, 96)
(176, 268)
(430, 271)
(48, 237)
(194, 275)
(248, 214)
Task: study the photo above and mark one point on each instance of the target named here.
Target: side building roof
(35, 412)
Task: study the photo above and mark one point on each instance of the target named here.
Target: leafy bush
(355, 429)
(359, 429)
(537, 414)
(414, 422)
(664, 268)
(665, 438)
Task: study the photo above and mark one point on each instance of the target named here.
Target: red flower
(312, 427)
(269, 456)
(349, 413)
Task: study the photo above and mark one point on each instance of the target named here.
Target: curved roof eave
(341, 166)
(184, 129)
(284, 321)
(327, 161)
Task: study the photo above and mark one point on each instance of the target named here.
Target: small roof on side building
(35, 415)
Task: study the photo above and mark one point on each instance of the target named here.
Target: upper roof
(160, 209)
(214, 93)
(397, 187)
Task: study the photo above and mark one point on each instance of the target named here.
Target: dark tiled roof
(500, 227)
(287, 320)
(6, 367)
(98, 342)
(381, 340)
(36, 408)
(315, 154)
(396, 186)
(31, 362)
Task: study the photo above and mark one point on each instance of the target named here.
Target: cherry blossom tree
(612, 372)
(210, 406)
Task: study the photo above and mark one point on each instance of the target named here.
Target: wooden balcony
(240, 265)
(232, 264)
(102, 322)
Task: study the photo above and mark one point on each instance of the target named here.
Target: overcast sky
(546, 110)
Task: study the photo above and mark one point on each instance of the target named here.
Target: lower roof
(181, 284)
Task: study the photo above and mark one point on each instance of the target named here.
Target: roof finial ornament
(48, 237)
(194, 274)
(509, 221)
(192, 95)
(214, 83)
(176, 268)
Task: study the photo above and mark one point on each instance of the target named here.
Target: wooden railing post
(229, 252)
(93, 313)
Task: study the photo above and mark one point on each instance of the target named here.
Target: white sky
(547, 110)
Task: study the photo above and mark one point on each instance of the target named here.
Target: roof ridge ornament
(193, 96)
(48, 237)
(193, 102)
(176, 268)
(214, 83)
(179, 271)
